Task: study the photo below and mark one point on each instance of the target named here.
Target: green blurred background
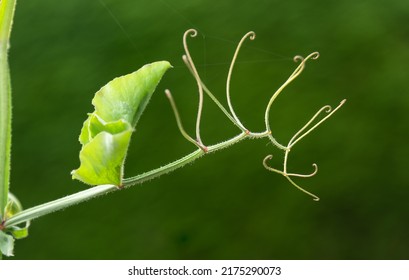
(226, 205)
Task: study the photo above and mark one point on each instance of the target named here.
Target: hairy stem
(6, 18)
(59, 204)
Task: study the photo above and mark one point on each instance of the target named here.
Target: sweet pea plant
(106, 133)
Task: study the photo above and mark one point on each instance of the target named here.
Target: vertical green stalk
(6, 18)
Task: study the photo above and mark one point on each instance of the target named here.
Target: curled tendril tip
(305, 175)
(252, 35)
(288, 175)
(192, 32)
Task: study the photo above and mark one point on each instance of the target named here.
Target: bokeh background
(225, 205)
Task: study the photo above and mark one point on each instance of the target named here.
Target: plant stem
(6, 18)
(52, 206)
(58, 204)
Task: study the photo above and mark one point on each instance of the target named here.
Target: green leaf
(104, 150)
(126, 97)
(102, 159)
(6, 244)
(19, 233)
(106, 133)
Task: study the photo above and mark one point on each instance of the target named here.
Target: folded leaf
(102, 159)
(19, 233)
(126, 97)
(106, 133)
